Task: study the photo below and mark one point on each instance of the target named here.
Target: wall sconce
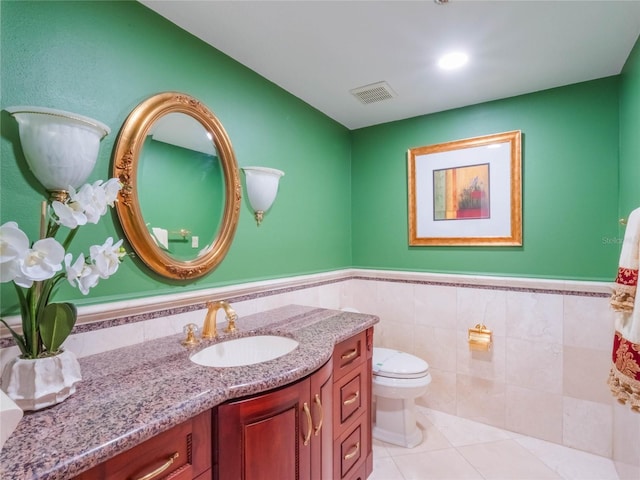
(61, 148)
(262, 187)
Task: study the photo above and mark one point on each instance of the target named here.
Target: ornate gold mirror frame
(125, 167)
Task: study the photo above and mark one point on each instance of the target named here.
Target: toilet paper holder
(480, 338)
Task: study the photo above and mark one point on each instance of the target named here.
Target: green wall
(101, 59)
(343, 200)
(630, 133)
(569, 187)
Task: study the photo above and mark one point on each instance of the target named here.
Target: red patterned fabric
(624, 378)
(626, 356)
(627, 276)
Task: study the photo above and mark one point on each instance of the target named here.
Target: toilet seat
(396, 364)
(398, 379)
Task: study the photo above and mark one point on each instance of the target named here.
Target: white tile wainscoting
(545, 376)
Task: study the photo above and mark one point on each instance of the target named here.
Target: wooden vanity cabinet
(181, 453)
(318, 428)
(284, 434)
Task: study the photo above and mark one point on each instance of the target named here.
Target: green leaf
(28, 331)
(18, 339)
(56, 324)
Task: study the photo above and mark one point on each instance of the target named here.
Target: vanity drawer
(351, 395)
(349, 354)
(181, 453)
(350, 452)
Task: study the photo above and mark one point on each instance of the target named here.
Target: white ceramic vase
(40, 383)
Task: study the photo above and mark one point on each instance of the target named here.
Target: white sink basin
(244, 351)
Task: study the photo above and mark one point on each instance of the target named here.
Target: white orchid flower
(74, 270)
(81, 274)
(106, 257)
(70, 214)
(104, 196)
(92, 203)
(111, 189)
(35, 267)
(14, 245)
(41, 262)
(97, 197)
(89, 279)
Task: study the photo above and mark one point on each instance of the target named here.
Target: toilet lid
(397, 364)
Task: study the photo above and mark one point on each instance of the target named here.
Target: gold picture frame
(466, 192)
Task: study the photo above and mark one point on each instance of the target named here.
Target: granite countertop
(134, 393)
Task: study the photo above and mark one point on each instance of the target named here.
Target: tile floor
(456, 448)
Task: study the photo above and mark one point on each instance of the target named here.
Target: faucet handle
(190, 330)
(232, 316)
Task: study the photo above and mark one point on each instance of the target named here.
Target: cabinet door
(322, 415)
(203, 476)
(266, 437)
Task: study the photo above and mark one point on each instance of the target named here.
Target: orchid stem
(33, 297)
(43, 219)
(69, 239)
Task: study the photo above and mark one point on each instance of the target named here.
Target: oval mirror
(180, 200)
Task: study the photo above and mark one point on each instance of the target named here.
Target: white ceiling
(320, 50)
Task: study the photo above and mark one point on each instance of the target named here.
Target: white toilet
(398, 379)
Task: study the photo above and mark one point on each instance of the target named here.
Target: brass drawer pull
(319, 404)
(350, 354)
(353, 453)
(352, 398)
(161, 468)
(307, 437)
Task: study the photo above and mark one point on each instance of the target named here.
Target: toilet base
(396, 422)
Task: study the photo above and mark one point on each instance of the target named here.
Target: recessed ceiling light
(453, 60)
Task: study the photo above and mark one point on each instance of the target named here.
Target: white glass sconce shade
(262, 188)
(61, 148)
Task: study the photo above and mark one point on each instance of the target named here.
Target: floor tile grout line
(509, 436)
(469, 462)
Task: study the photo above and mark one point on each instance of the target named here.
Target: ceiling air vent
(376, 92)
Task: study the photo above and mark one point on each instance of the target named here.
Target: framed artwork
(466, 192)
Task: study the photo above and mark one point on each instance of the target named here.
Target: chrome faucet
(209, 329)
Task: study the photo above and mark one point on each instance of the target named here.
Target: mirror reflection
(178, 148)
